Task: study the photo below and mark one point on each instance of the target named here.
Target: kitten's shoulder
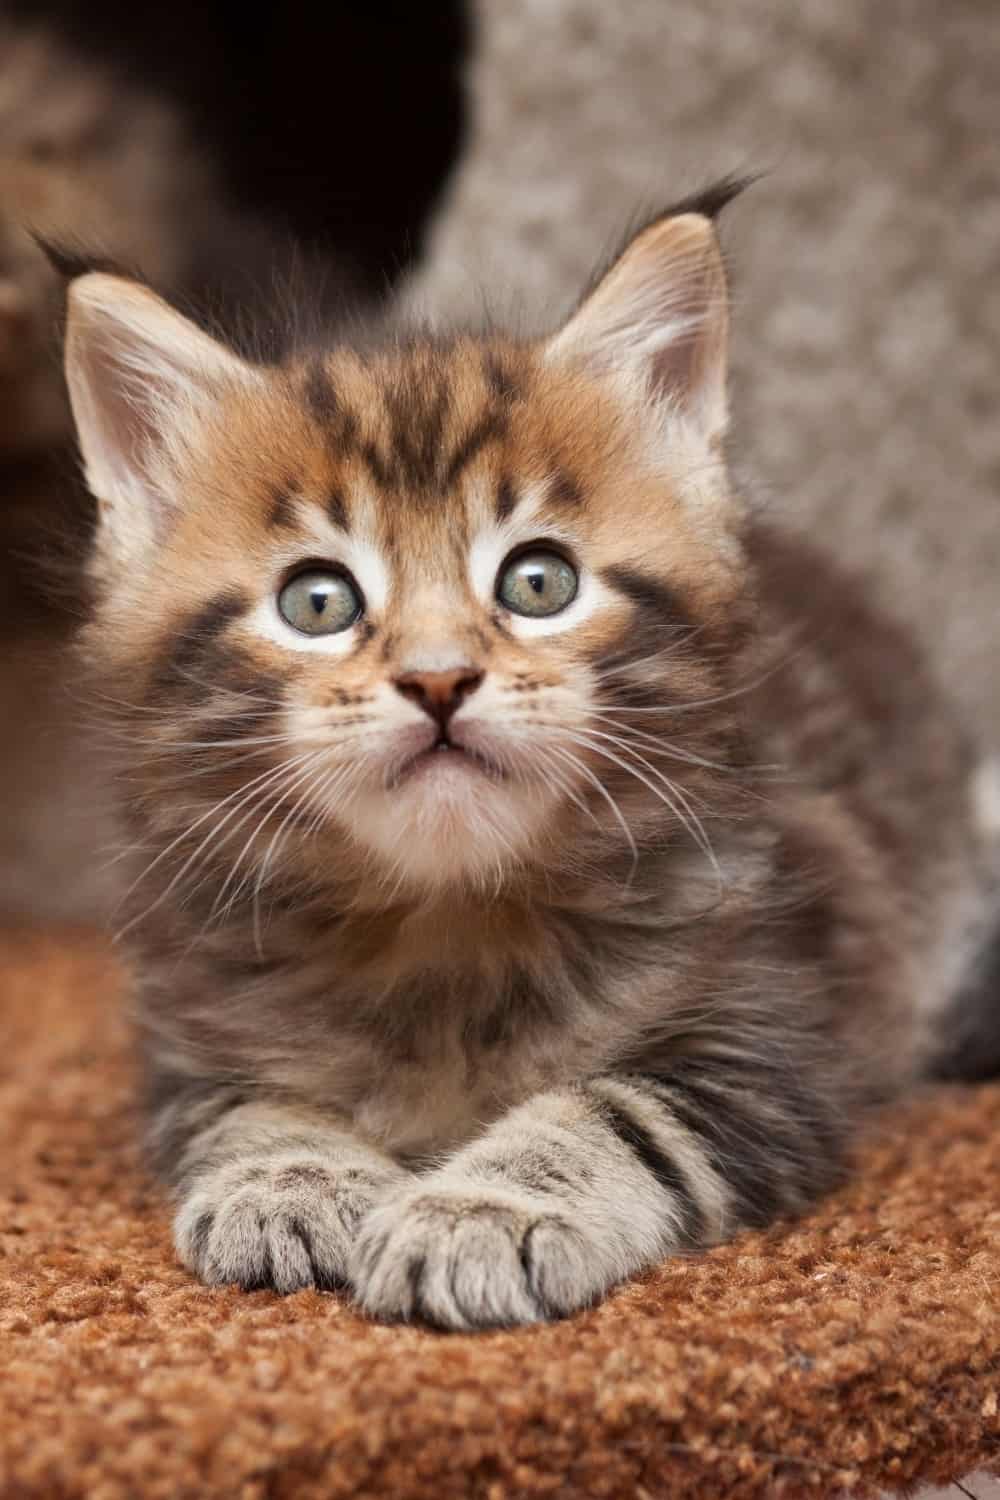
(847, 700)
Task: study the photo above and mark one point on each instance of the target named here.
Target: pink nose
(439, 694)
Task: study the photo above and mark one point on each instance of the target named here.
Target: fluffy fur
(481, 1033)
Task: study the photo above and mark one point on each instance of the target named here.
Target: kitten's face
(424, 618)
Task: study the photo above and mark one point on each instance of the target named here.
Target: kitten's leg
(583, 1186)
(267, 1196)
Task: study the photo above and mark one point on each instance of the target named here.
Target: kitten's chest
(438, 1098)
(423, 1033)
(423, 1056)
(428, 1076)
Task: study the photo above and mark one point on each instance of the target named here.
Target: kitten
(540, 865)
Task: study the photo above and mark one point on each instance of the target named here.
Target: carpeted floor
(854, 1351)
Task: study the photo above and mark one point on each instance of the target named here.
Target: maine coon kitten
(539, 865)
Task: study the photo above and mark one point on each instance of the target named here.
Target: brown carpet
(856, 1351)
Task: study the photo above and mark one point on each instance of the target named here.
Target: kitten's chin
(448, 823)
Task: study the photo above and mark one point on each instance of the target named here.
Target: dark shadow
(339, 124)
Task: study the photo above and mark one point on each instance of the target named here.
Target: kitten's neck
(453, 928)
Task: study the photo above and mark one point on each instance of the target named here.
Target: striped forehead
(411, 427)
(426, 447)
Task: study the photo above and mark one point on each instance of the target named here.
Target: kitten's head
(435, 616)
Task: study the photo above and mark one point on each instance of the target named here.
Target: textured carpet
(854, 1351)
(867, 263)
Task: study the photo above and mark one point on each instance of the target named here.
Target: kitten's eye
(319, 603)
(537, 583)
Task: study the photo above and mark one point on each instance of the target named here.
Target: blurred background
(482, 156)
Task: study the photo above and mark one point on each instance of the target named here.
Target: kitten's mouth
(445, 756)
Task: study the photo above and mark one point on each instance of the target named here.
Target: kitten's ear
(138, 374)
(660, 319)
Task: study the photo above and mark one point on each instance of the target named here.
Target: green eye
(537, 583)
(320, 603)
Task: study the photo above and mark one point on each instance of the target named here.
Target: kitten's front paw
(464, 1256)
(284, 1225)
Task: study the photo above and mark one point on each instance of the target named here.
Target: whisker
(666, 794)
(222, 687)
(679, 639)
(579, 766)
(640, 753)
(651, 742)
(218, 838)
(304, 774)
(230, 744)
(242, 792)
(564, 787)
(312, 790)
(739, 692)
(664, 747)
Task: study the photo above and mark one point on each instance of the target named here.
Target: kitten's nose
(439, 694)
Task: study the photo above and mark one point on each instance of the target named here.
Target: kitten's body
(482, 1033)
(475, 1001)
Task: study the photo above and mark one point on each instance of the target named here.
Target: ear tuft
(710, 201)
(70, 260)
